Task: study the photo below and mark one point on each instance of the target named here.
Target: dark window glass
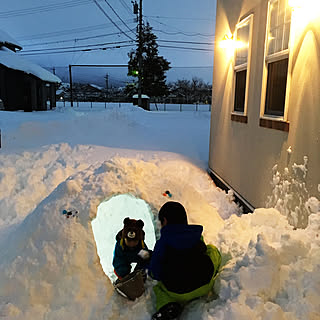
(276, 87)
(240, 91)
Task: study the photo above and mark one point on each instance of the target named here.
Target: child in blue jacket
(181, 262)
(130, 248)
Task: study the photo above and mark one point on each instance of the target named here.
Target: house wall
(12, 89)
(20, 91)
(243, 154)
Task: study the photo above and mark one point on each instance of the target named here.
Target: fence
(95, 106)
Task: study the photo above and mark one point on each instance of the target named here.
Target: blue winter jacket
(123, 256)
(180, 260)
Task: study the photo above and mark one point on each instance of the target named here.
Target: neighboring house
(266, 95)
(23, 84)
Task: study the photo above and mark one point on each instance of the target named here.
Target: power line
(64, 32)
(99, 44)
(185, 34)
(185, 48)
(126, 6)
(42, 52)
(102, 10)
(117, 15)
(171, 67)
(72, 51)
(188, 42)
(71, 40)
(179, 18)
(33, 10)
(180, 31)
(76, 47)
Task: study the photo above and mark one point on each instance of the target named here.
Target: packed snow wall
(49, 263)
(109, 222)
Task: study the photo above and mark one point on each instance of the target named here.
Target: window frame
(240, 116)
(281, 55)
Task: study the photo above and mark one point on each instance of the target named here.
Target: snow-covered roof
(95, 86)
(144, 96)
(14, 61)
(8, 41)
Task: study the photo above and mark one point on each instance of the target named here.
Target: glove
(144, 254)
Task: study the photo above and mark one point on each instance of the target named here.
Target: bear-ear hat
(138, 223)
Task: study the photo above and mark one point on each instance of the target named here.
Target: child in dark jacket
(184, 266)
(130, 248)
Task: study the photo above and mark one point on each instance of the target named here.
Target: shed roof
(143, 96)
(14, 61)
(7, 41)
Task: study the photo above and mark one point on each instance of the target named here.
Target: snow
(95, 86)
(144, 96)
(5, 38)
(117, 209)
(85, 160)
(14, 61)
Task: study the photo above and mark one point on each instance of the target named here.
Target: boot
(169, 311)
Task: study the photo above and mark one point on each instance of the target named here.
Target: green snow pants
(164, 296)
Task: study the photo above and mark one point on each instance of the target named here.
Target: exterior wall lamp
(227, 42)
(309, 5)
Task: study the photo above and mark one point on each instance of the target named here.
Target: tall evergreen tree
(154, 66)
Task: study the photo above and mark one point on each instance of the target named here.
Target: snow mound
(49, 267)
(271, 271)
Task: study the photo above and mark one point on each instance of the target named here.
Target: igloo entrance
(109, 221)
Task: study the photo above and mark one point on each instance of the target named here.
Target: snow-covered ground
(79, 159)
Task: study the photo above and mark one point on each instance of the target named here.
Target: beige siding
(243, 154)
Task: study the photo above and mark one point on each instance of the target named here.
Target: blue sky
(72, 26)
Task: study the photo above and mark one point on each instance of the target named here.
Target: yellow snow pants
(164, 296)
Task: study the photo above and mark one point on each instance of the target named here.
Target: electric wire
(71, 40)
(117, 15)
(64, 32)
(71, 51)
(126, 6)
(103, 11)
(187, 42)
(179, 31)
(93, 37)
(185, 34)
(171, 67)
(90, 47)
(185, 48)
(34, 10)
(77, 47)
(179, 18)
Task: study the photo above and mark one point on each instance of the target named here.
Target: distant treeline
(180, 91)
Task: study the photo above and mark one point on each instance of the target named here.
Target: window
(277, 54)
(242, 36)
(240, 90)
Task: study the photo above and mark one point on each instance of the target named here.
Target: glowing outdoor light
(295, 3)
(310, 5)
(227, 42)
(304, 11)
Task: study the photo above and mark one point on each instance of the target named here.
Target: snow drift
(49, 266)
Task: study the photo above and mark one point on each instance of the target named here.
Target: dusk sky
(62, 29)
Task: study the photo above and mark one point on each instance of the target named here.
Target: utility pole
(70, 79)
(140, 57)
(107, 81)
(107, 86)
